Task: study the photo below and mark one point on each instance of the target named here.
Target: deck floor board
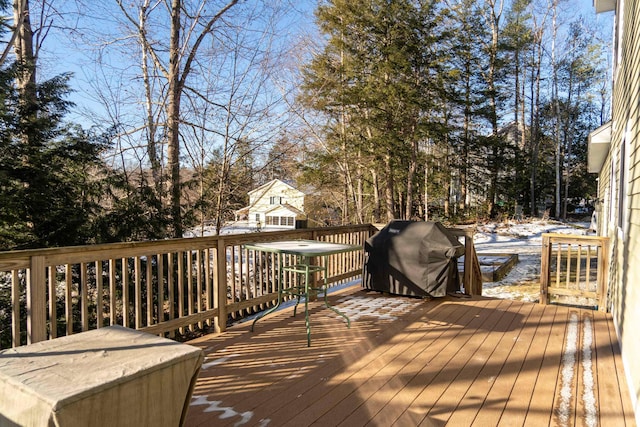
(405, 361)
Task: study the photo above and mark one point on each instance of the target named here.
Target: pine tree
(377, 84)
(50, 186)
(49, 172)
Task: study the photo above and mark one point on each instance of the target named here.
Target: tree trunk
(151, 125)
(377, 204)
(389, 188)
(173, 118)
(535, 120)
(413, 166)
(426, 192)
(494, 21)
(25, 58)
(556, 102)
(360, 189)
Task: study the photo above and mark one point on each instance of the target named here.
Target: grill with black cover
(412, 258)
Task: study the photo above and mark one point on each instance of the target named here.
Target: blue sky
(62, 53)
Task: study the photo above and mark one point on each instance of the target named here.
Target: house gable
(276, 203)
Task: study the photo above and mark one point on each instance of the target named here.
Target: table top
(307, 248)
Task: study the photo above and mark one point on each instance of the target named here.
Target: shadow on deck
(410, 362)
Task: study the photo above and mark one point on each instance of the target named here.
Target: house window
(623, 211)
(280, 220)
(257, 217)
(275, 200)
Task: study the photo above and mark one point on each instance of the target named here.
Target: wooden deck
(411, 362)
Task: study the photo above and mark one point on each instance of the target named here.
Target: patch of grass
(528, 290)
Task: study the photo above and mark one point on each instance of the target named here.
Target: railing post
(603, 275)
(36, 301)
(313, 284)
(220, 286)
(544, 269)
(472, 276)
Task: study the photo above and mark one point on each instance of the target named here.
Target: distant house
(274, 204)
(613, 154)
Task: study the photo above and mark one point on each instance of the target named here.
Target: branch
(142, 33)
(200, 39)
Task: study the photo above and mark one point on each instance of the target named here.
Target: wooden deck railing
(472, 275)
(165, 287)
(574, 270)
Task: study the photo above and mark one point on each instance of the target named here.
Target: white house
(274, 204)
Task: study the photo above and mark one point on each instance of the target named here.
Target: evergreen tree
(467, 99)
(377, 83)
(517, 42)
(50, 186)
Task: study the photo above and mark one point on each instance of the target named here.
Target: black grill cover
(413, 258)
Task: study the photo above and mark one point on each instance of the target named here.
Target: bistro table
(303, 252)
(112, 376)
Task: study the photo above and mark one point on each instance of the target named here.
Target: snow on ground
(525, 239)
(236, 227)
(520, 237)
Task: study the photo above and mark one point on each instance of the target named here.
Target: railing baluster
(99, 296)
(171, 289)
(112, 291)
(232, 280)
(15, 309)
(160, 276)
(84, 297)
(568, 279)
(137, 289)
(53, 303)
(545, 265)
(220, 287)
(578, 266)
(602, 287)
(558, 262)
(208, 279)
(68, 302)
(199, 287)
(189, 267)
(272, 271)
(125, 292)
(181, 256)
(250, 282)
(588, 269)
(149, 291)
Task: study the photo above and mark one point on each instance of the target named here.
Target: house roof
(288, 207)
(598, 147)
(266, 187)
(243, 211)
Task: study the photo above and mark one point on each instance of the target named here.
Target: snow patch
(568, 370)
(588, 395)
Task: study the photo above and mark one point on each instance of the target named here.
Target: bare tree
(236, 112)
(189, 77)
